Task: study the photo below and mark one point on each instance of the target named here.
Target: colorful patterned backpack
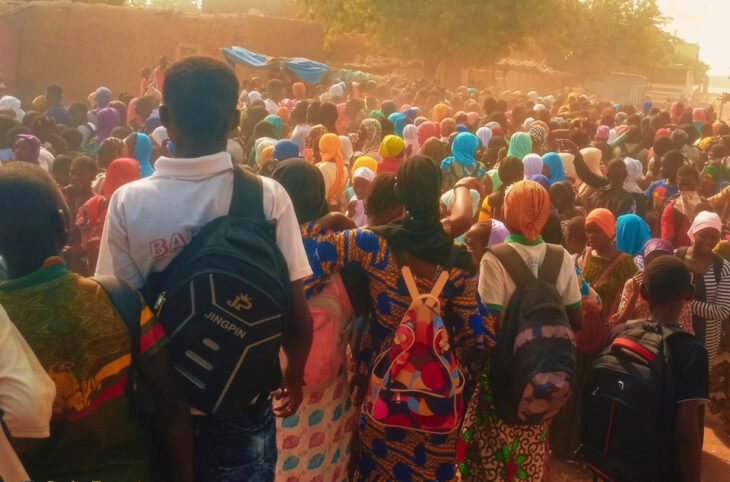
(417, 384)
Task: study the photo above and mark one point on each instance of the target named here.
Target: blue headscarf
(399, 123)
(143, 154)
(463, 149)
(461, 128)
(542, 179)
(646, 107)
(632, 233)
(410, 114)
(285, 149)
(553, 161)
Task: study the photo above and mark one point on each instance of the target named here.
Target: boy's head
(200, 98)
(110, 148)
(575, 237)
(61, 170)
(562, 195)
(34, 218)
(671, 161)
(73, 138)
(667, 284)
(617, 172)
(83, 172)
(688, 179)
(718, 152)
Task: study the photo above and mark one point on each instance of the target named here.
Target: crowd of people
(431, 241)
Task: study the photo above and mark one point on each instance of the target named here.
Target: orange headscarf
(604, 219)
(284, 113)
(526, 208)
(329, 150)
(440, 111)
(267, 154)
(299, 90)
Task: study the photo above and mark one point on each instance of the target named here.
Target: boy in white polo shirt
(150, 221)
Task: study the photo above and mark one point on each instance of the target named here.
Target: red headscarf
(427, 130)
(120, 172)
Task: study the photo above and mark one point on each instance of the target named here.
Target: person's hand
(358, 388)
(638, 278)
(336, 222)
(471, 183)
(290, 397)
(351, 208)
(566, 145)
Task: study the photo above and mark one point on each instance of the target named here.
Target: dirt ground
(715, 459)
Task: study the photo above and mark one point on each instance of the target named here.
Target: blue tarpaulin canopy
(308, 70)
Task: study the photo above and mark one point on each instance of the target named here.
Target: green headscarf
(520, 145)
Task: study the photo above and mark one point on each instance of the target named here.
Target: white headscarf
(336, 91)
(13, 103)
(703, 220)
(253, 96)
(635, 170)
(346, 149)
(533, 165)
(485, 135)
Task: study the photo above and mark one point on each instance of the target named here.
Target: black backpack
(534, 364)
(224, 302)
(627, 409)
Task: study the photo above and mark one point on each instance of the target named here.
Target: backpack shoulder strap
(609, 268)
(717, 268)
(248, 195)
(129, 305)
(513, 263)
(551, 264)
(410, 282)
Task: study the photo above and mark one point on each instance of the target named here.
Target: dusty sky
(706, 22)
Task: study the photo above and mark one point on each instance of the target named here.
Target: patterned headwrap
(526, 208)
(373, 133)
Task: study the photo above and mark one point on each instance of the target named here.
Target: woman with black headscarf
(419, 242)
(326, 408)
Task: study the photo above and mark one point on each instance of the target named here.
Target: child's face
(81, 176)
(361, 187)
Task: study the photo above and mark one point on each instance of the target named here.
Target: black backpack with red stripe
(627, 411)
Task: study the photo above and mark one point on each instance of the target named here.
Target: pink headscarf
(427, 130)
(410, 136)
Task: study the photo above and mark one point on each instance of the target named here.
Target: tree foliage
(586, 37)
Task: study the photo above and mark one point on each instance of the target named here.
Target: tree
(586, 37)
(593, 37)
(467, 32)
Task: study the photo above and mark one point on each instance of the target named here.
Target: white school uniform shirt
(26, 397)
(151, 220)
(496, 286)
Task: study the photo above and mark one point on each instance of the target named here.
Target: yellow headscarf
(391, 146)
(440, 112)
(365, 161)
(329, 150)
